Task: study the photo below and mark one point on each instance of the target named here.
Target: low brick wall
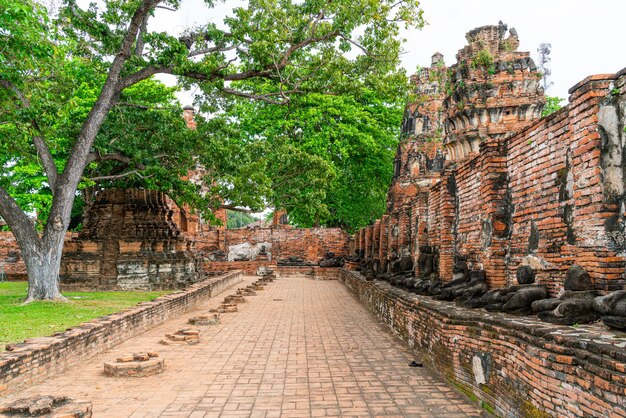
(514, 366)
(250, 268)
(40, 358)
(319, 273)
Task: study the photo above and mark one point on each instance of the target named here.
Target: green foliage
(329, 158)
(45, 318)
(552, 105)
(483, 59)
(343, 48)
(238, 219)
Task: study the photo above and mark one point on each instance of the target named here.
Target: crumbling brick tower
(516, 191)
(492, 93)
(419, 159)
(450, 174)
(129, 241)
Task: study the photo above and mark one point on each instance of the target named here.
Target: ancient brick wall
(566, 210)
(483, 183)
(514, 367)
(39, 358)
(280, 242)
(99, 257)
(11, 261)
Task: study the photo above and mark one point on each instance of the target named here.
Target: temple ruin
(504, 236)
(487, 190)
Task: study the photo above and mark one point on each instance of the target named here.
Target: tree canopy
(81, 108)
(238, 219)
(330, 156)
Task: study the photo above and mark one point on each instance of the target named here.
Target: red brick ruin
(486, 191)
(491, 206)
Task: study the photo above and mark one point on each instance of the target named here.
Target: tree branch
(17, 220)
(143, 74)
(108, 94)
(211, 50)
(358, 45)
(140, 37)
(235, 209)
(146, 107)
(113, 156)
(40, 144)
(266, 71)
(117, 176)
(262, 97)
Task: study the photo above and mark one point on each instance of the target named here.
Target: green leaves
(329, 157)
(552, 105)
(24, 34)
(326, 156)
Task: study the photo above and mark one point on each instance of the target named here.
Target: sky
(586, 36)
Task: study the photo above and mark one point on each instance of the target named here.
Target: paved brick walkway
(300, 348)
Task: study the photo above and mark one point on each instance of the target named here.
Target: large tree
(287, 42)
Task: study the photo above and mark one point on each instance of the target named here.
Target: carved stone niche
(129, 242)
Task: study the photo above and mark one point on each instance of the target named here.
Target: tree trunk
(43, 263)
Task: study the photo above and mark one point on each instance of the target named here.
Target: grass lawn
(39, 319)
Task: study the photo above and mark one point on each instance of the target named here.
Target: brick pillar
(404, 230)
(375, 241)
(394, 236)
(362, 243)
(419, 220)
(496, 211)
(447, 224)
(368, 242)
(594, 212)
(352, 246)
(383, 242)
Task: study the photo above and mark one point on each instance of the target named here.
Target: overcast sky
(587, 37)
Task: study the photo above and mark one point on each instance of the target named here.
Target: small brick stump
(182, 336)
(234, 299)
(135, 365)
(256, 286)
(48, 406)
(225, 308)
(248, 291)
(205, 319)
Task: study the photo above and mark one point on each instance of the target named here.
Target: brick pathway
(300, 348)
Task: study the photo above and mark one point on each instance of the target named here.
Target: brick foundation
(250, 268)
(520, 367)
(40, 358)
